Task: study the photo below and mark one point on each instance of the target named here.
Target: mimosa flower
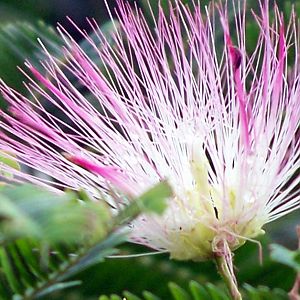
(170, 102)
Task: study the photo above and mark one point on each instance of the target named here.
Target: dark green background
(150, 273)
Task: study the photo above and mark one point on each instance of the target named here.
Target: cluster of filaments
(222, 126)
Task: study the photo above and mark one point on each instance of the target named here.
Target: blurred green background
(18, 42)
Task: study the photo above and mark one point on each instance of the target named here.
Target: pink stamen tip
(236, 57)
(103, 171)
(110, 173)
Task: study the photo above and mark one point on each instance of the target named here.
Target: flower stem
(228, 277)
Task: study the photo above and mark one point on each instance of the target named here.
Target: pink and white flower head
(219, 123)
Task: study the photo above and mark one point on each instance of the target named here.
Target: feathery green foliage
(47, 238)
(285, 256)
(208, 291)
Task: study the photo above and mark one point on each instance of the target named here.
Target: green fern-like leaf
(37, 259)
(285, 256)
(208, 291)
